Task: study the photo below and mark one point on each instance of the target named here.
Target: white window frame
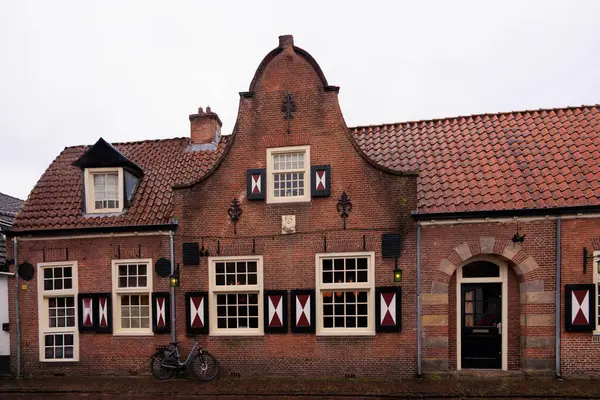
(117, 292)
(90, 194)
(271, 171)
(596, 267)
(355, 286)
(43, 314)
(234, 289)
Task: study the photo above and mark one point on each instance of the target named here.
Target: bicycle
(166, 361)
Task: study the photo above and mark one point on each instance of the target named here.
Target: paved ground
(229, 388)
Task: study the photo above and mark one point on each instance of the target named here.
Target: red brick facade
(382, 201)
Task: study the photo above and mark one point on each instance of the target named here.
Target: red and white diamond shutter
(161, 312)
(256, 185)
(579, 308)
(104, 312)
(95, 313)
(196, 312)
(276, 311)
(388, 309)
(86, 312)
(320, 180)
(303, 311)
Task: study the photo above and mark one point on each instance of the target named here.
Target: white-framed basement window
(132, 293)
(57, 311)
(596, 267)
(288, 174)
(345, 293)
(103, 190)
(236, 295)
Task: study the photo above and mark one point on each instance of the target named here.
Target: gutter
(522, 212)
(100, 229)
(557, 300)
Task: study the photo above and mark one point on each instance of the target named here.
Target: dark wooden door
(481, 316)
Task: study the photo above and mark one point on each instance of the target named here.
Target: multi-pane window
(237, 310)
(59, 346)
(57, 291)
(104, 190)
(58, 278)
(132, 286)
(135, 311)
(236, 291)
(345, 295)
(289, 178)
(61, 312)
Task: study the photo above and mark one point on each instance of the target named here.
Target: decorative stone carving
(288, 224)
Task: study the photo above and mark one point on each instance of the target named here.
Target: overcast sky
(72, 71)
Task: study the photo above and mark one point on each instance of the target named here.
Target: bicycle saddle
(174, 343)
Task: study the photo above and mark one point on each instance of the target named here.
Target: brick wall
(381, 204)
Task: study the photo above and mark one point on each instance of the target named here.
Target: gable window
(104, 190)
(236, 295)
(57, 291)
(596, 267)
(288, 174)
(132, 289)
(345, 294)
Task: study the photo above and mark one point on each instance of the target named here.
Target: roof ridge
(12, 197)
(420, 121)
(131, 142)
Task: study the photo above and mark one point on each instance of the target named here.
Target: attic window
(104, 190)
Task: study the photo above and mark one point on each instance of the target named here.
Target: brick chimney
(205, 127)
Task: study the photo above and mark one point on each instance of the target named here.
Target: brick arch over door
(523, 264)
(532, 296)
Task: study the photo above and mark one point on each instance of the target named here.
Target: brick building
(289, 235)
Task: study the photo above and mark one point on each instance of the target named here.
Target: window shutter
(320, 180)
(388, 309)
(256, 184)
(161, 312)
(104, 312)
(95, 312)
(87, 315)
(276, 311)
(196, 312)
(580, 313)
(303, 311)
(191, 253)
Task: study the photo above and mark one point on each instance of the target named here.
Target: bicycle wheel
(158, 371)
(205, 366)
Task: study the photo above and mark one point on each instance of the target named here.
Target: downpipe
(17, 317)
(419, 356)
(173, 317)
(557, 296)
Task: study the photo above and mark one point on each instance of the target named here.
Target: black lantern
(397, 271)
(174, 278)
(397, 274)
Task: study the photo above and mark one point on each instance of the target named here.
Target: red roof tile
(56, 202)
(526, 159)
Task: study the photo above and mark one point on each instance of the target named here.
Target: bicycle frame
(175, 353)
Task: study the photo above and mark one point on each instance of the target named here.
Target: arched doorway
(482, 307)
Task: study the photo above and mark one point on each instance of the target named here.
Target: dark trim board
(100, 229)
(523, 212)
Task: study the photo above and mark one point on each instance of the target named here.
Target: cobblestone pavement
(228, 388)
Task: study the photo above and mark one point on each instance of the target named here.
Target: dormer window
(104, 190)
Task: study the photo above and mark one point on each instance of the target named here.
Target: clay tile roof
(523, 159)
(56, 201)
